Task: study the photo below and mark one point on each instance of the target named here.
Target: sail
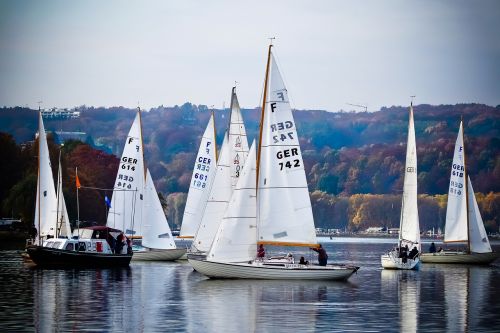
(409, 224)
(126, 204)
(236, 238)
(155, 230)
(479, 242)
(219, 196)
(201, 181)
(62, 213)
(456, 212)
(46, 200)
(284, 206)
(237, 140)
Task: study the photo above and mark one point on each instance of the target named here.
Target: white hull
(451, 257)
(158, 255)
(390, 261)
(257, 270)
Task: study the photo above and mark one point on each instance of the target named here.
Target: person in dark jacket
(432, 248)
(261, 252)
(322, 256)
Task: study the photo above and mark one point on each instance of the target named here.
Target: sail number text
(295, 163)
(280, 127)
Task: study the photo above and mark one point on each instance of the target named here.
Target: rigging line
(106, 189)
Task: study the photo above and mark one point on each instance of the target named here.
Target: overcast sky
(375, 53)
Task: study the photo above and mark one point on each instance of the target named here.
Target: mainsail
(46, 199)
(409, 224)
(456, 229)
(238, 142)
(155, 230)
(284, 213)
(127, 201)
(201, 181)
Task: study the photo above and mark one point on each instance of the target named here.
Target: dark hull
(48, 257)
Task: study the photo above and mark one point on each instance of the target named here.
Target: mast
(142, 143)
(262, 111)
(466, 185)
(38, 194)
(215, 137)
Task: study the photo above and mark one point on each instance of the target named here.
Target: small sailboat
(463, 219)
(409, 231)
(54, 246)
(270, 204)
(157, 240)
(230, 163)
(201, 182)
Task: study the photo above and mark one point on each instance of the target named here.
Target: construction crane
(359, 106)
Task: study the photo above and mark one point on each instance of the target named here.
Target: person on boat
(322, 256)
(440, 249)
(261, 252)
(432, 248)
(129, 245)
(413, 253)
(403, 253)
(119, 243)
(303, 261)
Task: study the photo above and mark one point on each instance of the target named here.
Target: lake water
(163, 297)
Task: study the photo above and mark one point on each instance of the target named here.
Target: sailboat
(54, 246)
(157, 240)
(270, 204)
(135, 206)
(463, 219)
(409, 231)
(201, 182)
(230, 163)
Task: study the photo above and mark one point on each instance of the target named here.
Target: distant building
(392, 231)
(65, 136)
(55, 113)
(375, 230)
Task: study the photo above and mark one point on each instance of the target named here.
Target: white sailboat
(230, 163)
(54, 246)
(46, 198)
(157, 240)
(125, 212)
(270, 204)
(463, 219)
(201, 182)
(409, 231)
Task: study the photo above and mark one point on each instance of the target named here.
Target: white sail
(409, 224)
(236, 238)
(155, 230)
(479, 242)
(62, 212)
(456, 212)
(219, 196)
(126, 204)
(201, 181)
(284, 206)
(46, 200)
(237, 140)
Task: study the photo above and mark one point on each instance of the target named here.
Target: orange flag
(78, 182)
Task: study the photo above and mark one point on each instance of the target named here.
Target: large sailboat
(201, 182)
(230, 163)
(55, 246)
(409, 231)
(270, 204)
(463, 219)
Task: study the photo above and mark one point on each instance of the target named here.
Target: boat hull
(390, 261)
(217, 270)
(450, 257)
(158, 255)
(50, 257)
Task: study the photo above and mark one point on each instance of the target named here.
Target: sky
(330, 53)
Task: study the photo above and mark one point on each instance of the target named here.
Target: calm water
(160, 297)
